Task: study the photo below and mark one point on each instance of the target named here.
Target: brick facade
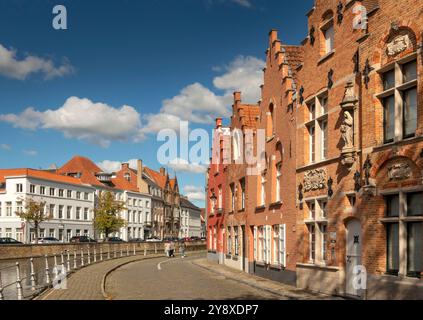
(343, 137)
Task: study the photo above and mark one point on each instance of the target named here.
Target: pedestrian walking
(167, 249)
(171, 249)
(182, 248)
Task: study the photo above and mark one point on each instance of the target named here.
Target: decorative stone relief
(398, 45)
(399, 171)
(314, 180)
(348, 104)
(347, 131)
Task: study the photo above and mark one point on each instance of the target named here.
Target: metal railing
(41, 276)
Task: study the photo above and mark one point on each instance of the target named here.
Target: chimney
(163, 171)
(218, 123)
(139, 174)
(237, 97)
(273, 36)
(125, 166)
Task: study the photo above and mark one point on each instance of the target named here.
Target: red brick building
(338, 202)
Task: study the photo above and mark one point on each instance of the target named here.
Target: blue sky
(125, 68)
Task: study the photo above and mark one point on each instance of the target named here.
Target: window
(127, 176)
(52, 210)
(261, 243)
(42, 190)
(52, 191)
(232, 188)
(312, 210)
(412, 239)
(69, 193)
(393, 248)
(86, 196)
(8, 233)
(61, 193)
(329, 39)
(236, 241)
(19, 234)
(78, 232)
(409, 112)
(324, 139)
(415, 204)
(414, 249)
(32, 189)
(78, 195)
(42, 233)
(8, 209)
(324, 239)
(219, 199)
(68, 212)
(85, 213)
(312, 242)
(323, 101)
(323, 209)
(278, 181)
(51, 233)
(279, 245)
(312, 143)
(399, 100)
(147, 204)
(229, 241)
(19, 208)
(263, 189)
(242, 183)
(312, 110)
(60, 212)
(78, 213)
(392, 206)
(19, 187)
(255, 243)
(86, 233)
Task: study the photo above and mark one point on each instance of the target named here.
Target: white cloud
(194, 193)
(5, 146)
(114, 166)
(31, 153)
(182, 165)
(198, 104)
(243, 74)
(12, 67)
(97, 123)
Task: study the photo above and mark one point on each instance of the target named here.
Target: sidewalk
(86, 283)
(278, 288)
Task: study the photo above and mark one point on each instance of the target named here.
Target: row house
(69, 202)
(215, 191)
(337, 203)
(190, 219)
(126, 185)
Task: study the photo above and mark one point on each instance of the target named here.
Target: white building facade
(190, 219)
(69, 202)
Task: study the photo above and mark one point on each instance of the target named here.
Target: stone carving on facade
(314, 180)
(399, 171)
(348, 105)
(398, 45)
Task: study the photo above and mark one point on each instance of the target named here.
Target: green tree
(35, 213)
(106, 214)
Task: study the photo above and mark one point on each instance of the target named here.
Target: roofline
(43, 179)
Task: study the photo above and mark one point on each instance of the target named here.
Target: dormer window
(327, 34)
(127, 176)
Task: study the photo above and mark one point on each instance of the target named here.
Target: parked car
(153, 239)
(203, 238)
(136, 240)
(78, 239)
(46, 240)
(195, 238)
(9, 241)
(174, 239)
(113, 239)
(186, 239)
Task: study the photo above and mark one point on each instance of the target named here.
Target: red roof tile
(37, 174)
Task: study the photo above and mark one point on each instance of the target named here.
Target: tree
(106, 214)
(35, 213)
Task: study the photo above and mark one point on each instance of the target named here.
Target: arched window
(270, 121)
